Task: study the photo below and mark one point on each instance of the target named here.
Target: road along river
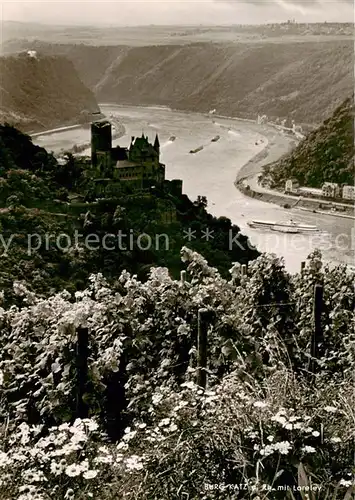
(213, 169)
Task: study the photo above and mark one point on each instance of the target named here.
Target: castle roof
(156, 142)
(141, 146)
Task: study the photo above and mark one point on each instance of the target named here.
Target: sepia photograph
(177, 250)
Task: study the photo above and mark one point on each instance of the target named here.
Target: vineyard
(198, 388)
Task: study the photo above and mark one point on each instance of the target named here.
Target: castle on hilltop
(137, 166)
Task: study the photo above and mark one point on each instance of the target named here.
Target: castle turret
(157, 144)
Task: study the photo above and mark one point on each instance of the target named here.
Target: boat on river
(283, 227)
(197, 150)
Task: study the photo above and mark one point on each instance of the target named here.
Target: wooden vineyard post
(202, 348)
(183, 277)
(244, 270)
(317, 325)
(303, 267)
(82, 351)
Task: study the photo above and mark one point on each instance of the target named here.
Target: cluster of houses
(333, 190)
(328, 190)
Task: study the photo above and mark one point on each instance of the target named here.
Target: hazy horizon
(175, 13)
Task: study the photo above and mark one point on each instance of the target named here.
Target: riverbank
(72, 138)
(246, 181)
(54, 130)
(286, 201)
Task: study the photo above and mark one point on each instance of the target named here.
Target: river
(212, 171)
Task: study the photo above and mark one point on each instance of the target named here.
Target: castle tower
(157, 144)
(101, 144)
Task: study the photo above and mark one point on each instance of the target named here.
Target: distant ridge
(304, 82)
(39, 91)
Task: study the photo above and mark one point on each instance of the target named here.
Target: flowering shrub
(65, 461)
(237, 433)
(38, 351)
(263, 412)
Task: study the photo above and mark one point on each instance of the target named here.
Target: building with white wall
(349, 192)
(292, 186)
(331, 190)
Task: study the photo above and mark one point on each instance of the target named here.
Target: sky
(167, 12)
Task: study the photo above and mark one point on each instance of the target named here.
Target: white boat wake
(233, 132)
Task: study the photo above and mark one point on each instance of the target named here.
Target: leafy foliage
(261, 416)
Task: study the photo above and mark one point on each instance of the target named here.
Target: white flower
(283, 447)
(73, 470)
(119, 458)
(33, 476)
(270, 438)
(36, 429)
(60, 439)
(105, 459)
(279, 418)
(92, 425)
(19, 289)
(335, 439)
(189, 385)
(19, 457)
(130, 435)
(122, 446)
(84, 465)
(142, 426)
(289, 427)
(344, 482)
(157, 398)
(165, 421)
(64, 427)
(90, 474)
(267, 450)
(173, 428)
(5, 460)
(134, 463)
(315, 434)
(78, 437)
(259, 404)
(308, 449)
(56, 468)
(27, 488)
(330, 409)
